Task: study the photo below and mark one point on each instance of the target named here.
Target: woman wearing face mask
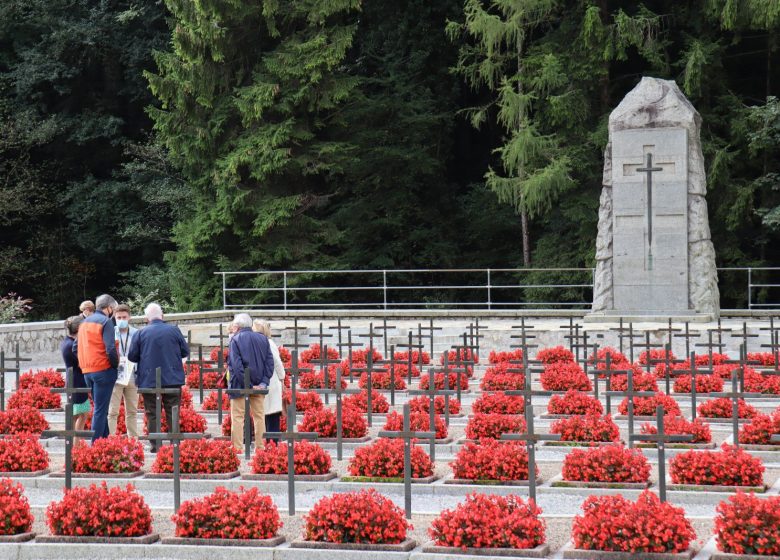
(125, 387)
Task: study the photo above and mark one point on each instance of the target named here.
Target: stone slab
(134, 474)
(606, 485)
(146, 539)
(393, 480)
(540, 551)
(298, 477)
(194, 476)
(263, 543)
(580, 554)
(729, 556)
(24, 474)
(50, 551)
(18, 538)
(714, 488)
(405, 546)
(469, 482)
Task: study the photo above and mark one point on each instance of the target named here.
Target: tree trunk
(526, 239)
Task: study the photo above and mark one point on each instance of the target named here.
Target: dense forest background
(146, 144)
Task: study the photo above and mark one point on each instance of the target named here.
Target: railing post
(224, 293)
(750, 288)
(384, 288)
(489, 301)
(285, 290)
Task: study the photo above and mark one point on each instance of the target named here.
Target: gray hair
(153, 311)
(105, 301)
(243, 320)
(261, 326)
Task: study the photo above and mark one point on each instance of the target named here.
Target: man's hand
(261, 386)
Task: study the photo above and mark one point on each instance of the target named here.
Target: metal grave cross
(432, 392)
(430, 328)
(744, 335)
(649, 182)
(349, 345)
(630, 394)
(407, 435)
(158, 391)
(661, 438)
(3, 371)
(295, 329)
(608, 372)
(68, 435)
(688, 336)
(457, 369)
(339, 328)
(531, 438)
(390, 363)
(621, 330)
(339, 392)
(246, 392)
(647, 348)
(694, 371)
(202, 365)
(325, 364)
(294, 370)
(369, 371)
(410, 348)
(735, 395)
(574, 335)
(670, 330)
(175, 436)
(384, 328)
(474, 334)
(321, 335)
(221, 337)
(291, 436)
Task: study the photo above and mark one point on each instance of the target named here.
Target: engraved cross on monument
(654, 256)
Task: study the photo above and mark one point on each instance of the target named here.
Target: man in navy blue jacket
(158, 345)
(248, 349)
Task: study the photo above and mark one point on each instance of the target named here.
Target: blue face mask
(123, 323)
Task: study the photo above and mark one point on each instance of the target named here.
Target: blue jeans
(101, 383)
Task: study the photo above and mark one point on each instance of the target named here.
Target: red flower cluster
(385, 459)
(731, 466)
(615, 524)
(645, 406)
(655, 356)
(766, 359)
(563, 376)
(316, 379)
(704, 384)
(114, 454)
(359, 401)
(381, 379)
(214, 355)
(401, 370)
(22, 453)
(481, 426)
(643, 381)
(554, 355)
(309, 458)
(508, 356)
(404, 357)
(722, 408)
(100, 511)
(616, 358)
(199, 456)
(491, 459)
(489, 521)
(323, 421)
(418, 422)
(755, 382)
(465, 354)
(43, 377)
(746, 524)
(503, 368)
(760, 430)
(591, 427)
(360, 356)
(23, 420)
(677, 425)
(224, 514)
(35, 396)
(423, 404)
(212, 401)
(498, 403)
(286, 356)
(502, 382)
(574, 402)
(190, 422)
(314, 353)
(210, 377)
(611, 463)
(15, 516)
(452, 379)
(356, 517)
(304, 400)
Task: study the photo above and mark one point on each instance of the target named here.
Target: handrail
(573, 294)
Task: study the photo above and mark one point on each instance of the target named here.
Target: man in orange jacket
(96, 349)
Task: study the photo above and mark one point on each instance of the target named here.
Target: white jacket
(273, 400)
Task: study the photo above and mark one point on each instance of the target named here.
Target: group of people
(113, 360)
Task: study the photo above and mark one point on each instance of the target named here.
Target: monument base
(630, 317)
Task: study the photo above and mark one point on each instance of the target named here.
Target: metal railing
(475, 288)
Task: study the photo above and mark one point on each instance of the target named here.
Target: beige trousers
(237, 414)
(130, 394)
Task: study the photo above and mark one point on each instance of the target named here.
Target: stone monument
(654, 255)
